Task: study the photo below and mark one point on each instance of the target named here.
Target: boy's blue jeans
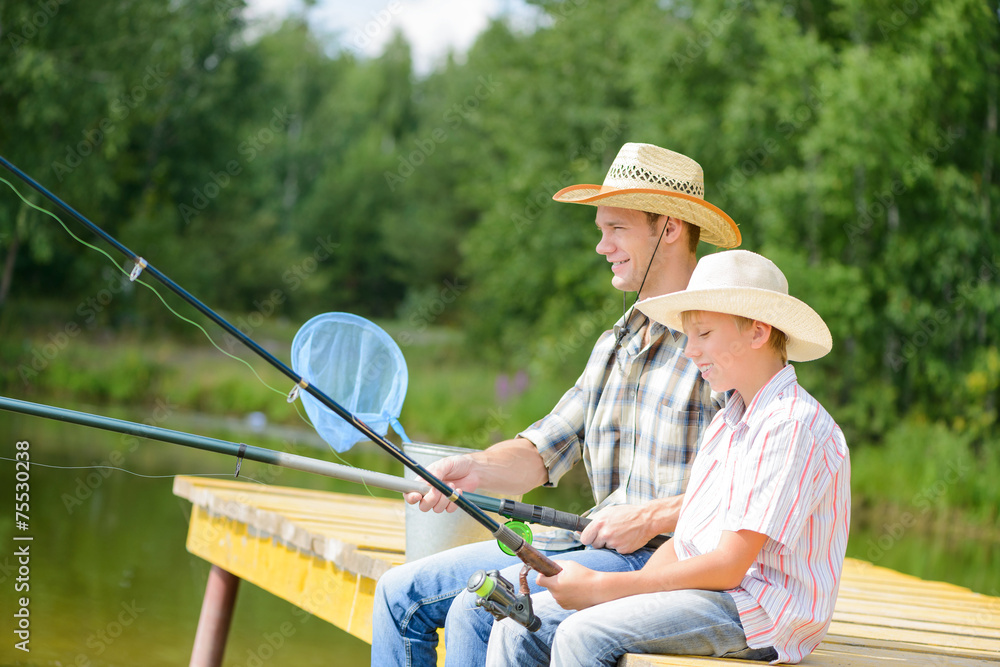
(687, 622)
(413, 600)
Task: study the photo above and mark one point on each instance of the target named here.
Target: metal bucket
(427, 532)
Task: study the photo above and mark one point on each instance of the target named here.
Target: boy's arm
(577, 587)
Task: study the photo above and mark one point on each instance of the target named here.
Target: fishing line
(298, 408)
(52, 215)
(627, 322)
(147, 285)
(138, 474)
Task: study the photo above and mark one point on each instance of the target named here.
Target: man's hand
(459, 472)
(511, 467)
(627, 528)
(624, 528)
(575, 587)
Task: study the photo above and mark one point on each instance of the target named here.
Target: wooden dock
(324, 552)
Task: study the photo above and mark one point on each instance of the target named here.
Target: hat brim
(808, 336)
(717, 228)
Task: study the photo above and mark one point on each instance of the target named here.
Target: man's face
(627, 241)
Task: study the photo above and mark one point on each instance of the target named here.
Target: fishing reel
(497, 596)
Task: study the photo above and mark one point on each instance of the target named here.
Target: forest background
(276, 174)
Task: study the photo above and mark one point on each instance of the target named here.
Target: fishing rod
(544, 516)
(507, 537)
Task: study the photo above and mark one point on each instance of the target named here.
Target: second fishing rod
(538, 514)
(516, 543)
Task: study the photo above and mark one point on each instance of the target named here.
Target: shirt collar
(638, 320)
(736, 412)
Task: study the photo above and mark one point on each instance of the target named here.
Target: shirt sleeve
(776, 482)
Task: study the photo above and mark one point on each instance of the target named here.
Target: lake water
(111, 583)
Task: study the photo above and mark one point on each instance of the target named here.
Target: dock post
(215, 619)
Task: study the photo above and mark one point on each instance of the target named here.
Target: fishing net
(358, 365)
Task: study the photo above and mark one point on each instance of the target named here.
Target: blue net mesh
(357, 364)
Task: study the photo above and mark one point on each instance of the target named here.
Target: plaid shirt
(635, 417)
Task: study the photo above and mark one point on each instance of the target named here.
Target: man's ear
(761, 334)
(675, 228)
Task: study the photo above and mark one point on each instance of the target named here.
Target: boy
(754, 566)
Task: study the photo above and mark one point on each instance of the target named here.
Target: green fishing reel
(522, 529)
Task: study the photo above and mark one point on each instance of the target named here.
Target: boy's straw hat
(740, 282)
(649, 178)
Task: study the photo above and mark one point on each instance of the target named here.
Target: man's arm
(577, 587)
(626, 528)
(511, 467)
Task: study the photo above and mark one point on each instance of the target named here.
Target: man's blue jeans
(687, 622)
(413, 600)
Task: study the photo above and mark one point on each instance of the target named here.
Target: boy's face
(715, 344)
(627, 241)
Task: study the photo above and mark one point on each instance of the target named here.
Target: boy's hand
(576, 587)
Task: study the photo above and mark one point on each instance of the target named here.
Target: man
(634, 416)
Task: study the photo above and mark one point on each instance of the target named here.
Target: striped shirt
(779, 468)
(635, 417)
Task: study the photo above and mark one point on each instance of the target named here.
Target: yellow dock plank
(963, 617)
(959, 631)
(825, 655)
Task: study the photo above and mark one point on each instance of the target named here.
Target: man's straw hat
(740, 282)
(649, 178)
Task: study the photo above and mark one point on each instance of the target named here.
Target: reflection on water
(112, 584)
(951, 553)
